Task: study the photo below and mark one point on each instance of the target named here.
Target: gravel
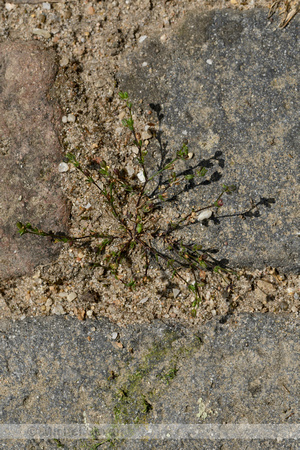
(91, 41)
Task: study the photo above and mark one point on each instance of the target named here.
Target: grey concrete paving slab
(228, 82)
(58, 370)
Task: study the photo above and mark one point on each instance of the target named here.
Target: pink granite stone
(29, 154)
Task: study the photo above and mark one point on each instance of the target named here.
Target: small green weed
(136, 205)
(169, 375)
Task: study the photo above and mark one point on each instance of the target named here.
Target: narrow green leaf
(62, 239)
(192, 287)
(128, 123)
(127, 187)
(168, 166)
(202, 172)
(197, 247)
(72, 159)
(170, 262)
(202, 264)
(123, 95)
(183, 152)
(103, 244)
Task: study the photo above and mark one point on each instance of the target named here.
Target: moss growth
(132, 394)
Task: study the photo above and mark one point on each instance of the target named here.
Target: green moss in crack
(131, 395)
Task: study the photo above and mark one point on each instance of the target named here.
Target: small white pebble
(144, 300)
(64, 119)
(63, 167)
(88, 206)
(205, 214)
(209, 61)
(146, 135)
(9, 6)
(190, 155)
(71, 296)
(114, 335)
(71, 118)
(145, 64)
(39, 32)
(141, 176)
(142, 38)
(130, 170)
(176, 292)
(119, 130)
(46, 5)
(163, 38)
(89, 313)
(48, 302)
(58, 310)
(64, 62)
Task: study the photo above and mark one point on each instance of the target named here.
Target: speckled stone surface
(37, 1)
(61, 370)
(229, 83)
(29, 156)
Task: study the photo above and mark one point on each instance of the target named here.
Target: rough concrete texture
(36, 1)
(29, 155)
(63, 371)
(229, 83)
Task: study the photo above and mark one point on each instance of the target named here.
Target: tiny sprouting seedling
(170, 375)
(136, 207)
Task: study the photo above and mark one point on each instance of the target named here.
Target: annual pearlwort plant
(136, 205)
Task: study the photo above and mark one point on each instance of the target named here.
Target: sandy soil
(91, 39)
